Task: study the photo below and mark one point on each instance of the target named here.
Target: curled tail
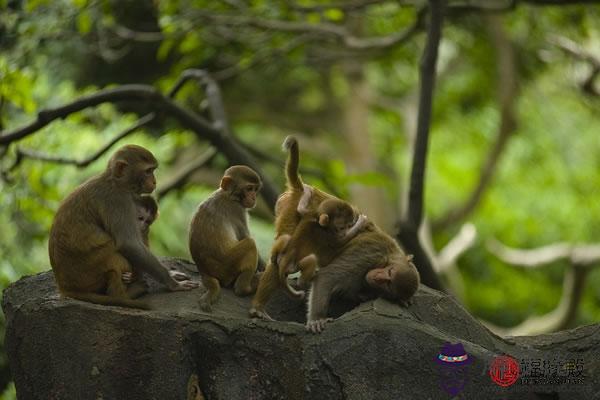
(294, 182)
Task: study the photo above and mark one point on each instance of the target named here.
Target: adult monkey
(369, 265)
(219, 239)
(96, 234)
(287, 219)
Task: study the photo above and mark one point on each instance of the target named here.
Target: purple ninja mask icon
(453, 362)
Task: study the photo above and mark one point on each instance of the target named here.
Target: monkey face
(382, 279)
(248, 195)
(148, 181)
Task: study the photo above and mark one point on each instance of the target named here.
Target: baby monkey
(147, 213)
(319, 237)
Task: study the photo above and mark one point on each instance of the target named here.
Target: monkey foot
(127, 277)
(317, 325)
(205, 306)
(262, 314)
(406, 303)
(179, 276)
(184, 285)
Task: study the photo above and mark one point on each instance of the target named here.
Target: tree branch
(507, 95)
(325, 29)
(463, 241)
(573, 49)
(182, 176)
(581, 259)
(203, 129)
(34, 155)
(409, 226)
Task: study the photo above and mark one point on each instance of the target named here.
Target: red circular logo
(504, 370)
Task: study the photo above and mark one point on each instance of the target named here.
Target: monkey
(147, 213)
(95, 234)
(370, 265)
(219, 240)
(317, 239)
(287, 219)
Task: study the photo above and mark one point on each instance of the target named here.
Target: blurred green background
(353, 109)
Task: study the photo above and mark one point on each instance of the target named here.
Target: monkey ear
(119, 168)
(323, 219)
(226, 182)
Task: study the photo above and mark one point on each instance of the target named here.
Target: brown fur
(219, 239)
(345, 275)
(317, 239)
(287, 219)
(95, 234)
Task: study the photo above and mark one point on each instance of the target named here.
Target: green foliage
(544, 191)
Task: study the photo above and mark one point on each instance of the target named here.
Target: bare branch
(581, 258)
(409, 225)
(585, 255)
(463, 241)
(575, 50)
(182, 176)
(31, 154)
(203, 129)
(558, 319)
(324, 29)
(352, 5)
(129, 34)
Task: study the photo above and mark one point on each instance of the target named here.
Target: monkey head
(147, 212)
(391, 281)
(132, 167)
(242, 184)
(336, 215)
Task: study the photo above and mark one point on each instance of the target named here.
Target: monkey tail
(294, 182)
(108, 300)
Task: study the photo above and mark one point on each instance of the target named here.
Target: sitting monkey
(95, 234)
(219, 239)
(317, 239)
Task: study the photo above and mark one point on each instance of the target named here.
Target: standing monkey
(286, 220)
(96, 234)
(219, 239)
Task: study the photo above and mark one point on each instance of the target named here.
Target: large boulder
(67, 349)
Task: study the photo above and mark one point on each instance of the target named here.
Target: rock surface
(66, 349)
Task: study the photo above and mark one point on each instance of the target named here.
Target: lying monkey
(369, 265)
(318, 238)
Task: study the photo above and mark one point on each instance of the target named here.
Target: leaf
(334, 14)
(84, 22)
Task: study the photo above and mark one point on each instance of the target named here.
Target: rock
(66, 349)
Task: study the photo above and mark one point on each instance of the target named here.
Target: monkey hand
(179, 276)
(127, 277)
(317, 325)
(262, 314)
(183, 285)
